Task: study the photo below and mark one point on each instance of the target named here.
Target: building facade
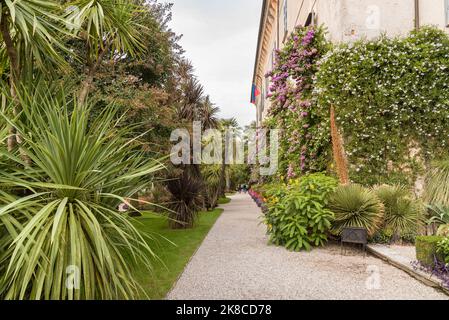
(346, 21)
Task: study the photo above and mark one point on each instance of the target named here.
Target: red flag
(255, 92)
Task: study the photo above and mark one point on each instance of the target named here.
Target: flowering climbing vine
(305, 140)
(391, 98)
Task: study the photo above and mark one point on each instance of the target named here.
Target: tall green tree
(30, 31)
(106, 27)
(225, 125)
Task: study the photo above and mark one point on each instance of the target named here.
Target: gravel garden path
(235, 262)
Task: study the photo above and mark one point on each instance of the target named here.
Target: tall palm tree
(225, 124)
(192, 97)
(106, 27)
(208, 114)
(29, 32)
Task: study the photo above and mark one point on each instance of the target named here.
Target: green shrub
(355, 206)
(401, 211)
(298, 218)
(224, 200)
(427, 250)
(443, 249)
(383, 236)
(443, 230)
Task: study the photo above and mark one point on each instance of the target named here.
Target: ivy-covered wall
(392, 102)
(305, 135)
(391, 97)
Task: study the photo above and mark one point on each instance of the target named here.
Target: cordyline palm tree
(212, 179)
(225, 124)
(208, 113)
(192, 97)
(30, 31)
(81, 172)
(107, 27)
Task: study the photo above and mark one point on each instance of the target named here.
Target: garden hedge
(426, 250)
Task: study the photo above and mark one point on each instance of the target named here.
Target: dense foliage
(391, 98)
(304, 144)
(297, 216)
(91, 91)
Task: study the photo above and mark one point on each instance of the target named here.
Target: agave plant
(355, 206)
(438, 215)
(73, 244)
(402, 213)
(186, 190)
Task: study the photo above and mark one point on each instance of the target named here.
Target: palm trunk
(13, 56)
(14, 74)
(223, 176)
(228, 180)
(86, 85)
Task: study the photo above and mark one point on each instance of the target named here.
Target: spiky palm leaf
(107, 23)
(35, 28)
(355, 206)
(81, 173)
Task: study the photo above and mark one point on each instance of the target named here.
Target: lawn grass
(174, 258)
(224, 200)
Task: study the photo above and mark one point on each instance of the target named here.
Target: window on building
(446, 9)
(285, 16)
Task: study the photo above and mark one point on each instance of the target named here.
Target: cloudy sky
(220, 38)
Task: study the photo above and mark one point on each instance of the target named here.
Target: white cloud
(220, 38)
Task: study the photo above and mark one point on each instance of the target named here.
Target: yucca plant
(438, 215)
(212, 179)
(74, 243)
(185, 189)
(107, 27)
(356, 206)
(402, 213)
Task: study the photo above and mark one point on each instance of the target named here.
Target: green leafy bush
(427, 250)
(298, 218)
(355, 206)
(443, 249)
(402, 213)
